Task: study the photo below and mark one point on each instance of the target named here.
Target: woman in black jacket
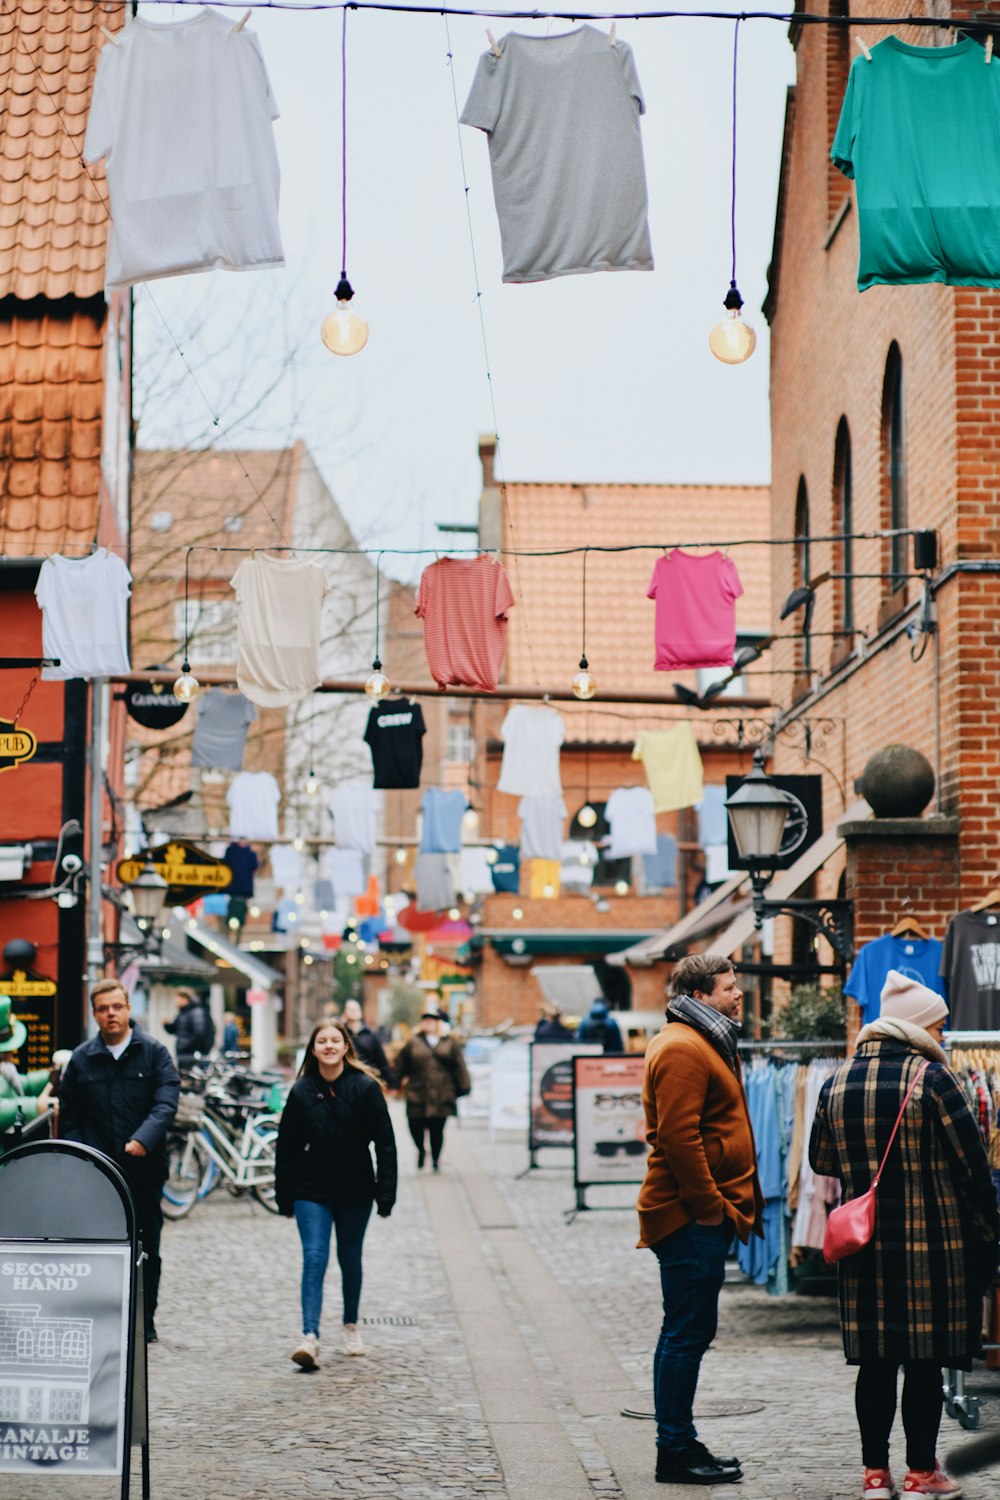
(324, 1176)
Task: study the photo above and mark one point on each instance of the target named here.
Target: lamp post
(148, 892)
(758, 811)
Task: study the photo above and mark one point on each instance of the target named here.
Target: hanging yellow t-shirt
(673, 767)
(543, 879)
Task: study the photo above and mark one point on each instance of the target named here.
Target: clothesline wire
(789, 18)
(498, 453)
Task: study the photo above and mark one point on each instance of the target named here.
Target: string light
(732, 340)
(187, 687)
(587, 816)
(344, 331)
(470, 820)
(312, 783)
(583, 684)
(377, 685)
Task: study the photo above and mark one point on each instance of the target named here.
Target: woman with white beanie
(912, 1296)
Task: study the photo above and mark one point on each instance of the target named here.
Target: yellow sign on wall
(17, 744)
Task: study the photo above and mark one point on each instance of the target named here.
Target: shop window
(65, 1406)
(211, 630)
(74, 1346)
(606, 871)
(740, 687)
(10, 1403)
(461, 748)
(46, 1344)
(25, 1344)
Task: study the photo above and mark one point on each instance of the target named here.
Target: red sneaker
(930, 1482)
(878, 1485)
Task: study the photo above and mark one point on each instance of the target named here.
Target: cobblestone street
(503, 1346)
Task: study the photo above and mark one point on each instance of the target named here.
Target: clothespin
(614, 34)
(493, 43)
(112, 38)
(242, 21)
(989, 48)
(495, 557)
(864, 47)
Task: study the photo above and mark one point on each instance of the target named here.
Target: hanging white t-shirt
(84, 604)
(183, 115)
(541, 827)
(345, 871)
(629, 812)
(476, 871)
(531, 741)
(578, 860)
(279, 628)
(253, 798)
(286, 866)
(355, 816)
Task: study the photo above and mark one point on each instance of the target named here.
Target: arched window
(46, 1344)
(803, 653)
(843, 523)
(894, 510)
(25, 1345)
(838, 67)
(74, 1346)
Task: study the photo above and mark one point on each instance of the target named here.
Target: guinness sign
(152, 704)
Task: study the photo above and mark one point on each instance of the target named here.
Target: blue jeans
(692, 1270)
(315, 1222)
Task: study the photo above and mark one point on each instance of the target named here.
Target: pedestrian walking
(432, 1073)
(119, 1094)
(700, 1189)
(912, 1296)
(192, 1028)
(324, 1177)
(550, 1026)
(598, 1025)
(367, 1045)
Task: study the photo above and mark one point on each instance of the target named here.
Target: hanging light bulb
(732, 340)
(583, 684)
(312, 783)
(587, 816)
(492, 855)
(378, 684)
(470, 820)
(401, 856)
(187, 687)
(344, 331)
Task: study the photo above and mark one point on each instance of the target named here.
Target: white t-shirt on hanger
(183, 115)
(345, 871)
(253, 798)
(531, 741)
(630, 813)
(354, 808)
(286, 866)
(541, 827)
(84, 604)
(279, 628)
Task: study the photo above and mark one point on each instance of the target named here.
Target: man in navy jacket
(119, 1094)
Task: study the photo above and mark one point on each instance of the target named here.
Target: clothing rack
(828, 1048)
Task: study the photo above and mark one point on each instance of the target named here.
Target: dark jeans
(692, 1270)
(435, 1132)
(875, 1402)
(316, 1221)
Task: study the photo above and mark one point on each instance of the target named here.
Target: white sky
(602, 377)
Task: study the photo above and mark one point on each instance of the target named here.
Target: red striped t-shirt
(463, 603)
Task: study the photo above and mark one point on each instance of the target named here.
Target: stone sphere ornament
(898, 782)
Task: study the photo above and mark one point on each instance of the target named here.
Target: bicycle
(221, 1138)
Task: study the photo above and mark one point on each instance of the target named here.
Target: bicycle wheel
(184, 1174)
(264, 1156)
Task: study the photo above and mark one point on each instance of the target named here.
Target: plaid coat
(915, 1291)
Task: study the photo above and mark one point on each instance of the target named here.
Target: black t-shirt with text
(971, 966)
(395, 736)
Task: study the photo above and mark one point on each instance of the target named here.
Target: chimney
(487, 456)
(490, 507)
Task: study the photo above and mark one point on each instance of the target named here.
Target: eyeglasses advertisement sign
(609, 1121)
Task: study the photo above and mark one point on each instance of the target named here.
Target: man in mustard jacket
(700, 1188)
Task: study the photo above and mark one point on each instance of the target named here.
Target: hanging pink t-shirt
(463, 603)
(695, 610)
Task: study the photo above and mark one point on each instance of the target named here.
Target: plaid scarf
(719, 1029)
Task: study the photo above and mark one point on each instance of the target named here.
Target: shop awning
(787, 882)
(516, 944)
(260, 975)
(700, 922)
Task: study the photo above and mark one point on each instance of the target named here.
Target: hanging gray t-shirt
(569, 181)
(220, 734)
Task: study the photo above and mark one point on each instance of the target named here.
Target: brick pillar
(892, 861)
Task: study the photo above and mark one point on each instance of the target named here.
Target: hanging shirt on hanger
(531, 740)
(917, 958)
(660, 869)
(253, 798)
(970, 966)
(279, 628)
(435, 888)
(695, 610)
(543, 879)
(84, 604)
(569, 180)
(632, 821)
(346, 873)
(476, 871)
(195, 187)
(243, 862)
(286, 866)
(442, 821)
(578, 859)
(918, 134)
(507, 870)
(354, 808)
(394, 735)
(673, 766)
(220, 735)
(463, 603)
(542, 821)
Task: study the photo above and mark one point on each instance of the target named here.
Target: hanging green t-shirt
(920, 134)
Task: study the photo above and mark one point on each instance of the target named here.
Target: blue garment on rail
(762, 1260)
(660, 869)
(916, 958)
(443, 813)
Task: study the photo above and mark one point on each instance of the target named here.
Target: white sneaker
(352, 1340)
(307, 1354)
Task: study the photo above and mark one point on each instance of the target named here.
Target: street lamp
(148, 892)
(758, 811)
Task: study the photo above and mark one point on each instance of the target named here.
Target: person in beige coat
(432, 1074)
